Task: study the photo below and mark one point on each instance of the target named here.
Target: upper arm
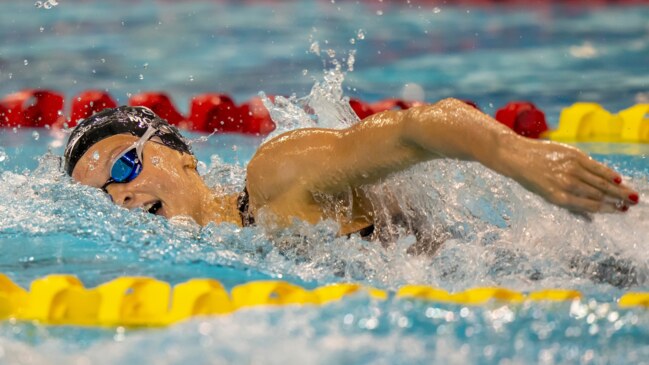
(330, 161)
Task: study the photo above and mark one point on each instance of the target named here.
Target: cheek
(164, 174)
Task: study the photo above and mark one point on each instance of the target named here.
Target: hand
(569, 178)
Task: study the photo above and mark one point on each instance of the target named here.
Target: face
(168, 184)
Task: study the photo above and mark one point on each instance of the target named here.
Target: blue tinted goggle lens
(127, 167)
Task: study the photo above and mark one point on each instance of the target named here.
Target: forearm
(451, 128)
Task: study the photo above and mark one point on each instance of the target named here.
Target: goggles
(128, 164)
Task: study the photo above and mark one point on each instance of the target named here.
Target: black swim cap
(134, 120)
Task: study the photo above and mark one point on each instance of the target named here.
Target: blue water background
(551, 55)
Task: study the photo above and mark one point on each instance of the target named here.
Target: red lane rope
(209, 112)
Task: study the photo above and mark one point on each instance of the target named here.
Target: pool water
(496, 232)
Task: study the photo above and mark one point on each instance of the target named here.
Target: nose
(121, 195)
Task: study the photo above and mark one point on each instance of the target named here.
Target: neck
(220, 208)
(214, 206)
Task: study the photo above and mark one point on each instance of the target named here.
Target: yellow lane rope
(144, 301)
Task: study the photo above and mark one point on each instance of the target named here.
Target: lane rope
(209, 112)
(144, 301)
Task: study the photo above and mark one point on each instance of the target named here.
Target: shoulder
(285, 163)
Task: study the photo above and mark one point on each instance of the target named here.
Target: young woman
(143, 162)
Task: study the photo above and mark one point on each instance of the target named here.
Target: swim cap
(134, 120)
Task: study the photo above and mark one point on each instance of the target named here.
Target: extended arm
(313, 160)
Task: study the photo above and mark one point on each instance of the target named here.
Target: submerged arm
(317, 160)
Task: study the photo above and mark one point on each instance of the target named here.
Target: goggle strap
(139, 146)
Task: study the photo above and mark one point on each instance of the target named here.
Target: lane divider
(143, 301)
(209, 112)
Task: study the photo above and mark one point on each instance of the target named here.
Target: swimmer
(143, 162)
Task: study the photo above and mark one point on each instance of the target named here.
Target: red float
(256, 117)
(362, 109)
(214, 112)
(88, 103)
(31, 108)
(523, 117)
(160, 103)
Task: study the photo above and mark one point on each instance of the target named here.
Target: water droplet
(315, 48)
(201, 167)
(141, 77)
(35, 135)
(360, 34)
(38, 4)
(351, 60)
(437, 10)
(95, 156)
(26, 62)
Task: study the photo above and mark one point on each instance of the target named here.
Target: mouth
(153, 207)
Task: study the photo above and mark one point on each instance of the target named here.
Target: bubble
(38, 4)
(305, 72)
(3, 155)
(191, 78)
(47, 5)
(155, 160)
(379, 12)
(25, 62)
(146, 65)
(437, 10)
(360, 34)
(141, 77)
(331, 53)
(41, 29)
(352, 40)
(35, 135)
(103, 60)
(54, 2)
(95, 156)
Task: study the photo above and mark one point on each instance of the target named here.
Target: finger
(585, 190)
(607, 187)
(581, 204)
(601, 170)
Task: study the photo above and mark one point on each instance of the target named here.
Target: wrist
(506, 158)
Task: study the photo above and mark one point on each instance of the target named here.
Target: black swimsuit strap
(247, 218)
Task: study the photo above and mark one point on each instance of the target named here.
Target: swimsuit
(247, 219)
